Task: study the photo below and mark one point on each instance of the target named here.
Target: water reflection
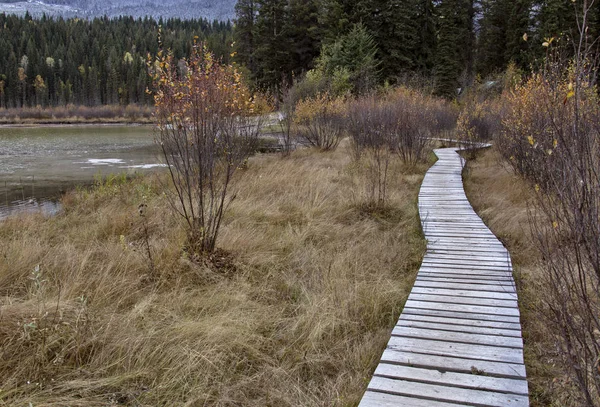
(38, 164)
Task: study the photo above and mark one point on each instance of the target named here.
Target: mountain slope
(209, 9)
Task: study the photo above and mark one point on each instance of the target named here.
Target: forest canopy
(446, 43)
(51, 62)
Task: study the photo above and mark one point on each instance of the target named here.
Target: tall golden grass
(77, 114)
(293, 311)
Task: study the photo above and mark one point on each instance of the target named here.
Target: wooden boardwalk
(458, 340)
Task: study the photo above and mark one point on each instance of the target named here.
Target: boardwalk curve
(458, 340)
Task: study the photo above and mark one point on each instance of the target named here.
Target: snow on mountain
(209, 9)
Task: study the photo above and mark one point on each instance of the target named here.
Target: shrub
(551, 136)
(416, 124)
(372, 125)
(320, 121)
(478, 121)
(205, 133)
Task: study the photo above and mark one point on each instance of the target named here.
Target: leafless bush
(320, 121)
(551, 136)
(205, 135)
(372, 125)
(415, 125)
(286, 123)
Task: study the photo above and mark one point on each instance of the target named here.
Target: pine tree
(455, 46)
(245, 11)
(492, 45)
(303, 34)
(518, 25)
(355, 54)
(272, 52)
(427, 37)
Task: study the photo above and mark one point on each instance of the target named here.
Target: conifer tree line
(53, 62)
(447, 42)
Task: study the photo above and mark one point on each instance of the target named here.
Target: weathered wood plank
(466, 326)
(450, 263)
(453, 364)
(463, 380)
(466, 272)
(459, 337)
(488, 302)
(378, 399)
(456, 320)
(466, 279)
(448, 394)
(459, 314)
(461, 350)
(467, 287)
(473, 267)
(465, 293)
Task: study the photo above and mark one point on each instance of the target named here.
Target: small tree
(354, 55)
(205, 132)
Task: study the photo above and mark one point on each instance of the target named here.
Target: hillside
(209, 9)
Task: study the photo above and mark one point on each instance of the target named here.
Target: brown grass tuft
(318, 282)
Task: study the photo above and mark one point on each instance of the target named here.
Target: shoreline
(68, 123)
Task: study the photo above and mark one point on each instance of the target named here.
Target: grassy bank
(503, 199)
(72, 114)
(294, 310)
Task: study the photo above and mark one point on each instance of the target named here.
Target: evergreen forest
(53, 62)
(446, 45)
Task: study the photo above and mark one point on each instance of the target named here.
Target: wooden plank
(452, 255)
(467, 309)
(473, 267)
(466, 249)
(378, 399)
(465, 293)
(457, 337)
(453, 364)
(455, 320)
(462, 380)
(475, 276)
(448, 394)
(467, 287)
(420, 311)
(433, 258)
(446, 272)
(449, 278)
(455, 349)
(465, 327)
(450, 299)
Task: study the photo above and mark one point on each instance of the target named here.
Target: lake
(38, 164)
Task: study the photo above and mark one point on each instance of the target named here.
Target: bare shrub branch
(551, 136)
(320, 121)
(205, 133)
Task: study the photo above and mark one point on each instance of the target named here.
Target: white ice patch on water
(145, 166)
(104, 161)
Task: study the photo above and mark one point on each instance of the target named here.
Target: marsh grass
(74, 114)
(504, 201)
(314, 282)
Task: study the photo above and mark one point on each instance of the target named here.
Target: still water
(37, 164)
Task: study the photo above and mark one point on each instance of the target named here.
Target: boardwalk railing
(458, 340)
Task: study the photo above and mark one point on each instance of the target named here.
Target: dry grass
(297, 313)
(72, 114)
(503, 199)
